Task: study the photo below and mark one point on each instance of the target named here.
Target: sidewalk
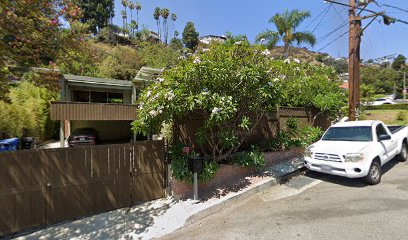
(160, 217)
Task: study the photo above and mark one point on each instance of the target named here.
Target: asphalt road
(315, 206)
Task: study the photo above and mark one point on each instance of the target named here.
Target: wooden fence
(41, 187)
(185, 131)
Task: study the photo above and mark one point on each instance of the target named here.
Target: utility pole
(354, 60)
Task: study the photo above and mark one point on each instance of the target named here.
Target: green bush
(179, 166)
(252, 158)
(310, 135)
(293, 137)
(389, 107)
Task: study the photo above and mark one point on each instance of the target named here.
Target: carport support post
(195, 186)
(62, 134)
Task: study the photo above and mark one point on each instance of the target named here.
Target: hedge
(389, 107)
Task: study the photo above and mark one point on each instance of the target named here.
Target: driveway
(315, 206)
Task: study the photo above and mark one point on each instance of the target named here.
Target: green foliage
(293, 136)
(399, 62)
(401, 116)
(309, 135)
(30, 33)
(251, 158)
(225, 85)
(381, 79)
(179, 166)
(230, 87)
(389, 107)
(286, 25)
(190, 36)
(209, 171)
(176, 44)
(122, 63)
(158, 55)
(27, 108)
(312, 87)
(96, 13)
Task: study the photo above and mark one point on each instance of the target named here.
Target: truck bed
(395, 129)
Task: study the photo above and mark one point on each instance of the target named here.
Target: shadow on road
(349, 182)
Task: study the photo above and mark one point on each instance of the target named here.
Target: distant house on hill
(212, 38)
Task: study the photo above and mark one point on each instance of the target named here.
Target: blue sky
(251, 17)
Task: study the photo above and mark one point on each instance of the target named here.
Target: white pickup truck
(357, 149)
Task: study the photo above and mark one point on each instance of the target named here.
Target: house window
(99, 97)
(96, 97)
(115, 97)
(80, 96)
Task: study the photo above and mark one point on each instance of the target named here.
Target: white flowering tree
(231, 87)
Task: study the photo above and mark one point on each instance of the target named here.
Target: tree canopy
(190, 36)
(286, 24)
(232, 87)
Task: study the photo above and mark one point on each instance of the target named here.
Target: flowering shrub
(231, 87)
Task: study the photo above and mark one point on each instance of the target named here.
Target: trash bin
(27, 143)
(10, 144)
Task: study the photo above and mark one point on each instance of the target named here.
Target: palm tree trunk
(287, 47)
(137, 19)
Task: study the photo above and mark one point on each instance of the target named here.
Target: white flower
(216, 110)
(153, 113)
(169, 96)
(197, 60)
(160, 79)
(287, 60)
(270, 84)
(276, 79)
(206, 49)
(160, 111)
(296, 60)
(298, 69)
(205, 93)
(238, 43)
(141, 107)
(266, 52)
(262, 39)
(181, 57)
(149, 93)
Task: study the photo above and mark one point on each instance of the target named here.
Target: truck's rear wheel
(404, 153)
(375, 174)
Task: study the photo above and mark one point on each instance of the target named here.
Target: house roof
(213, 36)
(147, 74)
(97, 81)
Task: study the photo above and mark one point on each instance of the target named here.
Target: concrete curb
(242, 196)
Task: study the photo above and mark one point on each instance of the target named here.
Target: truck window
(380, 130)
(358, 134)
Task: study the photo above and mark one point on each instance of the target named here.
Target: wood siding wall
(92, 111)
(185, 130)
(41, 187)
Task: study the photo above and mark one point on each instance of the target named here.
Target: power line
(328, 9)
(332, 41)
(331, 32)
(398, 8)
(316, 17)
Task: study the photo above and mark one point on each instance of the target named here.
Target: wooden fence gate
(41, 187)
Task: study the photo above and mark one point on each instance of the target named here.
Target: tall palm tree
(131, 6)
(138, 7)
(133, 26)
(156, 15)
(174, 18)
(124, 17)
(125, 4)
(165, 15)
(286, 25)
